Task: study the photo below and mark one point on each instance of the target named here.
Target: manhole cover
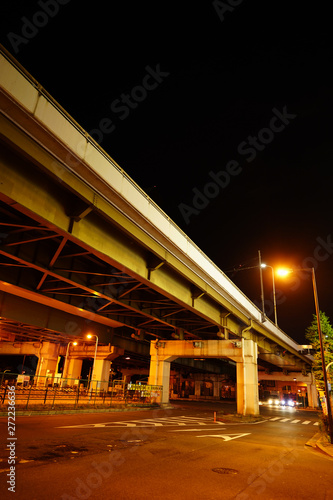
(225, 470)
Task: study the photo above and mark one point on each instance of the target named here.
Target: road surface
(178, 453)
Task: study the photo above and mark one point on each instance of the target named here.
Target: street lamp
(285, 272)
(66, 358)
(260, 266)
(274, 295)
(90, 336)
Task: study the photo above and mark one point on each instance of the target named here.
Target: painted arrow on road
(226, 437)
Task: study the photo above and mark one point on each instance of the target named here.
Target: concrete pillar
(247, 379)
(159, 374)
(197, 388)
(216, 389)
(312, 395)
(73, 372)
(47, 363)
(101, 374)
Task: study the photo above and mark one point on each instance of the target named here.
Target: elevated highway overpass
(82, 247)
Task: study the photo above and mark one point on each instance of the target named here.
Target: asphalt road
(178, 453)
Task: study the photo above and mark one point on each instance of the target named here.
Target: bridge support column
(159, 372)
(216, 389)
(101, 374)
(247, 379)
(73, 371)
(312, 395)
(47, 363)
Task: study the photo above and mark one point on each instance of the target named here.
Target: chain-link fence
(33, 391)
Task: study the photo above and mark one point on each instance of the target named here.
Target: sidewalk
(48, 410)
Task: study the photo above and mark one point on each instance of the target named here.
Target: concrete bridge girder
(112, 246)
(94, 231)
(26, 306)
(20, 348)
(109, 352)
(49, 207)
(197, 349)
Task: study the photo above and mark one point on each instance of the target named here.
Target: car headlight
(270, 401)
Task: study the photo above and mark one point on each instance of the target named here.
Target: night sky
(220, 111)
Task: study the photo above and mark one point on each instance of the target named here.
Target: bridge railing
(36, 392)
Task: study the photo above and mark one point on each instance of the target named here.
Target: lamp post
(66, 358)
(90, 336)
(284, 272)
(261, 266)
(261, 289)
(274, 295)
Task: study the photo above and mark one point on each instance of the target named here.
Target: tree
(311, 334)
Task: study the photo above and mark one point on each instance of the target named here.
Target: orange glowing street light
(282, 273)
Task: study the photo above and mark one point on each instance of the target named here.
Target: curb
(31, 413)
(319, 443)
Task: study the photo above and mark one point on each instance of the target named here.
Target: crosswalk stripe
(296, 421)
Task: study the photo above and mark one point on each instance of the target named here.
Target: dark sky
(220, 111)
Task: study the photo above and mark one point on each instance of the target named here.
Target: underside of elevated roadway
(78, 254)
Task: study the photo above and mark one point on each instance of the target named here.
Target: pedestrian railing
(32, 391)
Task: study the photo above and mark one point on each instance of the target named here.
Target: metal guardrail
(45, 392)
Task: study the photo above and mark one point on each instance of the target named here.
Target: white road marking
(296, 421)
(180, 421)
(197, 430)
(226, 437)
(148, 422)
